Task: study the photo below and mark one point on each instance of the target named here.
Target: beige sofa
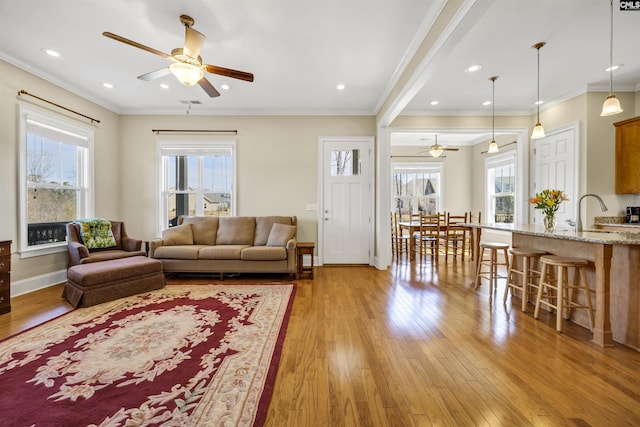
(228, 245)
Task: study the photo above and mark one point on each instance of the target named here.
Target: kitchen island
(613, 274)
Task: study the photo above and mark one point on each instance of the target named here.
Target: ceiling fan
(187, 64)
(436, 149)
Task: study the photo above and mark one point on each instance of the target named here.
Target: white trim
(19, 287)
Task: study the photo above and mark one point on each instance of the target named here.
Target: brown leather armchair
(80, 254)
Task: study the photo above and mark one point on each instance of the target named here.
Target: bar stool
(563, 291)
(527, 284)
(492, 274)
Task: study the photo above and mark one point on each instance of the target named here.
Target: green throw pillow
(96, 233)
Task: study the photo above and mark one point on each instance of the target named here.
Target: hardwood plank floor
(415, 346)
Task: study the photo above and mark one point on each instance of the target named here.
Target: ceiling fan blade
(450, 149)
(208, 87)
(228, 72)
(155, 74)
(193, 41)
(135, 44)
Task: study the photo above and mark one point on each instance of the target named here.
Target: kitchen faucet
(603, 208)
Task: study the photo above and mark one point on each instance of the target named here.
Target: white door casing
(556, 167)
(346, 213)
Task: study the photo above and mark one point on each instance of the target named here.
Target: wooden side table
(304, 248)
(5, 276)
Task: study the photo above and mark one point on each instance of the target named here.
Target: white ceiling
(299, 50)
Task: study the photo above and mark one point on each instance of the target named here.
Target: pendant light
(538, 130)
(611, 105)
(493, 146)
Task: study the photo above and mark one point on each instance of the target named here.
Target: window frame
(418, 167)
(189, 148)
(69, 132)
(496, 161)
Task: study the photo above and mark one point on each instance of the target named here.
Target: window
(197, 178)
(501, 187)
(345, 162)
(416, 188)
(56, 186)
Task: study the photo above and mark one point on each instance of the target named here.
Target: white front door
(555, 168)
(346, 227)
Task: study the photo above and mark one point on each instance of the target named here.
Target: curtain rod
(158, 131)
(24, 92)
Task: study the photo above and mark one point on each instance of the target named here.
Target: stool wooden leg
(479, 269)
(525, 282)
(587, 296)
(562, 272)
(509, 279)
(494, 269)
(543, 275)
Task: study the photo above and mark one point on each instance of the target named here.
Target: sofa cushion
(280, 234)
(178, 252)
(236, 230)
(204, 229)
(221, 252)
(179, 235)
(264, 253)
(108, 271)
(263, 227)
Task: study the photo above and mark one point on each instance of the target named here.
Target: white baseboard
(31, 284)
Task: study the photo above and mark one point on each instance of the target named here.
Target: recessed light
(538, 102)
(107, 85)
(164, 86)
(612, 68)
(341, 87)
(50, 52)
(485, 103)
(225, 87)
(434, 103)
(473, 68)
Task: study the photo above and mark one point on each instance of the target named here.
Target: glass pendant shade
(436, 150)
(493, 147)
(611, 106)
(538, 131)
(187, 74)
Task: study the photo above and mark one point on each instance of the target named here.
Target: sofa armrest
(77, 251)
(291, 255)
(153, 245)
(131, 245)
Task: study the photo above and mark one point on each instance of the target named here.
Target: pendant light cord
(611, 53)
(538, 99)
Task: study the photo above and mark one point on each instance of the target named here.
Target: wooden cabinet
(628, 156)
(5, 276)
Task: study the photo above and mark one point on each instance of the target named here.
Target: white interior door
(555, 167)
(346, 220)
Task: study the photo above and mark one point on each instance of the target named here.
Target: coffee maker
(633, 214)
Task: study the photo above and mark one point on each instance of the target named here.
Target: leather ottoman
(98, 282)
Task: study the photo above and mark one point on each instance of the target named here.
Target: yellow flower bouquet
(548, 201)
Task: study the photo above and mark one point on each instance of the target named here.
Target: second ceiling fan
(187, 64)
(436, 149)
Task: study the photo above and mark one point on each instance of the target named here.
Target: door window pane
(345, 162)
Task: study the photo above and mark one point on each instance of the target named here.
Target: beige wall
(107, 154)
(277, 161)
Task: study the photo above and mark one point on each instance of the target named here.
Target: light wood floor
(420, 347)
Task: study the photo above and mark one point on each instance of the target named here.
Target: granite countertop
(617, 221)
(592, 235)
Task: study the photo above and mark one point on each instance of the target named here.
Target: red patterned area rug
(186, 355)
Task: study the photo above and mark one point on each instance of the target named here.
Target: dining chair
(471, 244)
(455, 236)
(399, 240)
(427, 238)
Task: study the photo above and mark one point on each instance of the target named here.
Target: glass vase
(549, 223)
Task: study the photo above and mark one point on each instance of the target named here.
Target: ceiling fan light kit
(538, 130)
(187, 64)
(187, 74)
(611, 105)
